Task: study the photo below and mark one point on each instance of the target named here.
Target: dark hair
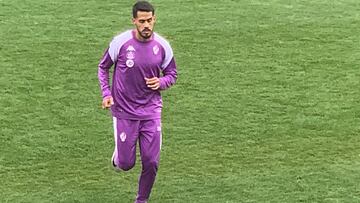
(142, 6)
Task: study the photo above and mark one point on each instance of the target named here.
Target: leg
(125, 136)
(150, 143)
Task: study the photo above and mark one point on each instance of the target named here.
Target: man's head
(144, 19)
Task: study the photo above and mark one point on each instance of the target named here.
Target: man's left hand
(153, 83)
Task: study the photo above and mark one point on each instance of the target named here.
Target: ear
(133, 20)
(154, 18)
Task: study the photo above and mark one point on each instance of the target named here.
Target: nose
(146, 24)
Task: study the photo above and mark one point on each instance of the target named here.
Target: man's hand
(107, 102)
(153, 83)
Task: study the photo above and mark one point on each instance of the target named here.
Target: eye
(141, 21)
(149, 21)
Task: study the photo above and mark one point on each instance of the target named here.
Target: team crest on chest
(156, 49)
(130, 56)
(130, 48)
(129, 63)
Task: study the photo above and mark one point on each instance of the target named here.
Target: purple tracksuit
(137, 108)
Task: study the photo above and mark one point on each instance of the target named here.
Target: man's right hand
(107, 102)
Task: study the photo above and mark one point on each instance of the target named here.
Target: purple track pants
(126, 135)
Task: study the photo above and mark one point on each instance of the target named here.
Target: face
(144, 23)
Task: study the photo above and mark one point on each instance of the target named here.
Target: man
(144, 65)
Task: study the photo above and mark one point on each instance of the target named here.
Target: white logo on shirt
(130, 48)
(122, 137)
(130, 52)
(130, 55)
(156, 49)
(129, 63)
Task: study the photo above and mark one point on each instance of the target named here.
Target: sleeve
(169, 75)
(103, 74)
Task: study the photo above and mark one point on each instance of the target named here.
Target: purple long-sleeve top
(134, 61)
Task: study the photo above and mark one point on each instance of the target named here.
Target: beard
(145, 33)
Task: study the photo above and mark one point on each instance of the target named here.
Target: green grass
(266, 108)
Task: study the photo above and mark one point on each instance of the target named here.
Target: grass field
(266, 108)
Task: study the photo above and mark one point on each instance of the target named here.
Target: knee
(151, 164)
(126, 165)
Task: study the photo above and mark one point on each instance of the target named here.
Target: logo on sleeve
(156, 49)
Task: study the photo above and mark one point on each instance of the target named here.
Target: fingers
(107, 102)
(154, 86)
(105, 105)
(152, 80)
(111, 101)
(153, 83)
